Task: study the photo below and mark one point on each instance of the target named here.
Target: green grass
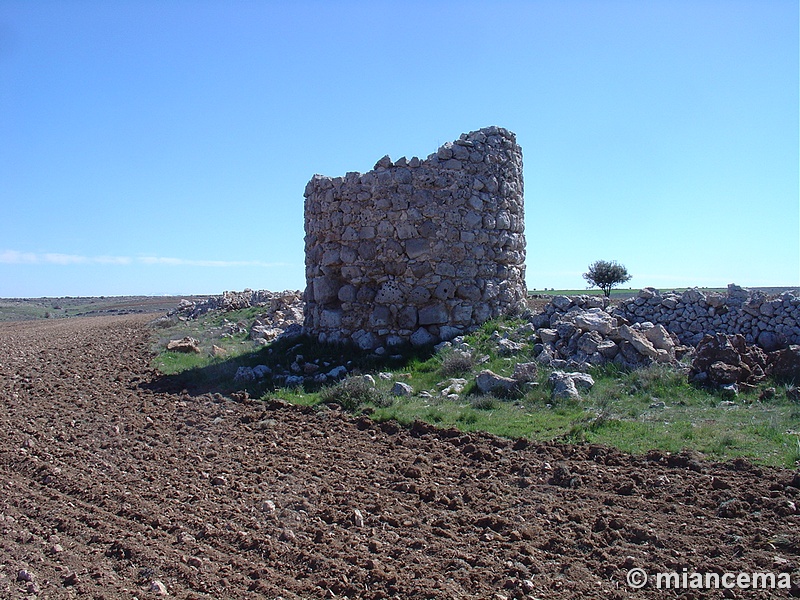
(651, 408)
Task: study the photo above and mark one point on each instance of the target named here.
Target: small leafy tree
(605, 275)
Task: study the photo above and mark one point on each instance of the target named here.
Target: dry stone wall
(417, 250)
(771, 323)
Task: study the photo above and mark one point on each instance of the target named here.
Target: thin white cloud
(14, 257)
(63, 259)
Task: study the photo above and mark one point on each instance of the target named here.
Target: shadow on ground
(284, 359)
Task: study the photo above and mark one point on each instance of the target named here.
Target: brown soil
(107, 485)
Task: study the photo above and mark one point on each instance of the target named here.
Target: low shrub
(456, 363)
(353, 392)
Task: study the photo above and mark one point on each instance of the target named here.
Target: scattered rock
(508, 347)
(489, 382)
(24, 575)
(452, 386)
(640, 343)
(187, 345)
(721, 360)
(158, 588)
(358, 518)
(525, 372)
(402, 389)
(565, 385)
(784, 365)
(596, 319)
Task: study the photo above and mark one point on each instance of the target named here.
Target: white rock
(595, 319)
(489, 382)
(158, 588)
(402, 389)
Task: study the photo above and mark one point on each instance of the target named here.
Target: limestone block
(417, 247)
(422, 337)
(325, 290)
(433, 315)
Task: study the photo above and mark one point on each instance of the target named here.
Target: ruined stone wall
(417, 250)
(769, 322)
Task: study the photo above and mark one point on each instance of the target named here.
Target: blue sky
(163, 147)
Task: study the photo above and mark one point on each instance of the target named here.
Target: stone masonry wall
(770, 323)
(417, 250)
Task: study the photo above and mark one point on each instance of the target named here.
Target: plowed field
(111, 487)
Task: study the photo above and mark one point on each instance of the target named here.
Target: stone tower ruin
(417, 250)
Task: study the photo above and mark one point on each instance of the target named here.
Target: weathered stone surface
(447, 333)
(489, 382)
(366, 340)
(508, 347)
(785, 364)
(402, 389)
(437, 243)
(187, 345)
(771, 341)
(431, 315)
(565, 385)
(589, 342)
(525, 372)
(721, 360)
(638, 341)
(596, 319)
(548, 335)
(561, 302)
(422, 337)
(660, 338)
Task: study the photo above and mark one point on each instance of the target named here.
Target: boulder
(564, 389)
(660, 338)
(608, 348)
(508, 347)
(561, 302)
(489, 382)
(525, 372)
(187, 345)
(595, 319)
(402, 389)
(548, 335)
(771, 341)
(722, 360)
(639, 342)
(422, 337)
(784, 365)
(565, 385)
(589, 342)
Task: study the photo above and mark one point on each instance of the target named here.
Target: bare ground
(108, 484)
